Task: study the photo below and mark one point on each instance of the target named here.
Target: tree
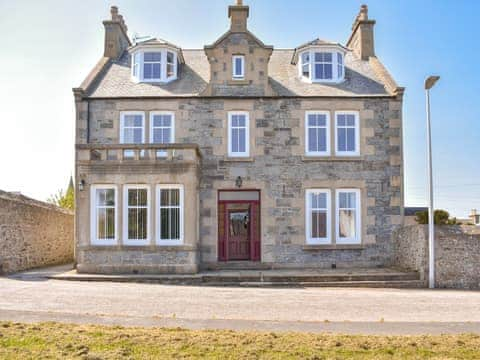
(64, 199)
(440, 217)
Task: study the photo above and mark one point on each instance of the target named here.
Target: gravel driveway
(31, 297)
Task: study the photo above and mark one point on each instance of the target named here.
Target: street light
(429, 82)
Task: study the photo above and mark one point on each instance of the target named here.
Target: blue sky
(50, 46)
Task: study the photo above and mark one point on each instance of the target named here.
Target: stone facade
(457, 254)
(277, 164)
(33, 234)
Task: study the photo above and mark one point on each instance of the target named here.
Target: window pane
(166, 136)
(306, 70)
(327, 57)
(350, 139)
(132, 120)
(319, 72)
(347, 200)
(341, 120)
(322, 139)
(347, 223)
(165, 224)
(341, 139)
(350, 120)
(319, 224)
(170, 57)
(101, 223)
(235, 144)
(166, 120)
(339, 58)
(164, 197)
(142, 197)
(318, 57)
(170, 70)
(305, 58)
(234, 120)
(319, 201)
(147, 71)
(312, 120)
(137, 136)
(158, 136)
(152, 56)
(156, 71)
(175, 224)
(312, 139)
(241, 120)
(174, 197)
(328, 71)
(242, 141)
(238, 66)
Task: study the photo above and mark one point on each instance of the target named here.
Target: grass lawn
(62, 341)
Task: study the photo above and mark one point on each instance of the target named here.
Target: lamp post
(429, 82)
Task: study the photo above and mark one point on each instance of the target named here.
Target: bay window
(322, 65)
(154, 65)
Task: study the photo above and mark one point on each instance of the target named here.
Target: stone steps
(379, 278)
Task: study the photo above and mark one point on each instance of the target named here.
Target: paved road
(31, 297)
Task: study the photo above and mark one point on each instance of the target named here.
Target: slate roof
(362, 78)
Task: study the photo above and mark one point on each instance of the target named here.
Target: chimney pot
(114, 13)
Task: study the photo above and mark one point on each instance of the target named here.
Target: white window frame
(122, 124)
(358, 226)
(126, 240)
(93, 216)
(163, 65)
(234, 60)
(355, 152)
(172, 127)
(247, 134)
(312, 76)
(169, 242)
(308, 225)
(327, 127)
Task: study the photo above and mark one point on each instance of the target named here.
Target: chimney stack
(362, 38)
(116, 38)
(238, 15)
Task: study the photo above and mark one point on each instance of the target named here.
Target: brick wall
(33, 234)
(457, 252)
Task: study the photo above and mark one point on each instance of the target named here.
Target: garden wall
(457, 251)
(33, 233)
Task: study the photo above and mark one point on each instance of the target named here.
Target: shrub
(440, 217)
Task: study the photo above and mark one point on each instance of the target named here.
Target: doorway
(239, 225)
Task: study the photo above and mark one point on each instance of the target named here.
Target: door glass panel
(238, 223)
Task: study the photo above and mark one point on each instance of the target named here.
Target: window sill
(238, 82)
(238, 159)
(311, 247)
(152, 248)
(331, 158)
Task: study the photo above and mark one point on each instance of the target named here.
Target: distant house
(474, 217)
(190, 158)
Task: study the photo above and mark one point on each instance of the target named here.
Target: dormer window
(238, 66)
(321, 65)
(154, 65)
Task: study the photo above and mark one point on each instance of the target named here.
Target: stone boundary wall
(457, 251)
(33, 233)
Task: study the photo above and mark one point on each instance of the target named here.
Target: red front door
(239, 225)
(238, 234)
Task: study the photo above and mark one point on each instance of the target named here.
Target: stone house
(237, 154)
